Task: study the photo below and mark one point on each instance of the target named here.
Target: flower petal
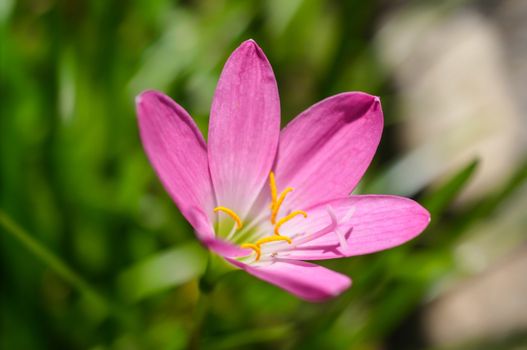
(305, 280)
(324, 152)
(367, 223)
(244, 128)
(177, 151)
(224, 248)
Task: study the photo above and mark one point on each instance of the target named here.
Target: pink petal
(224, 248)
(244, 128)
(307, 281)
(377, 223)
(324, 152)
(177, 151)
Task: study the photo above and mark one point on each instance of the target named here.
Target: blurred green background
(94, 255)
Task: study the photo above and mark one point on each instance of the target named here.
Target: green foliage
(163, 270)
(437, 201)
(78, 197)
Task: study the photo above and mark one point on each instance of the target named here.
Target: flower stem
(200, 313)
(216, 269)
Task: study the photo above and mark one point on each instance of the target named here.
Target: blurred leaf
(162, 271)
(487, 205)
(192, 40)
(281, 14)
(179, 40)
(53, 262)
(439, 199)
(6, 6)
(518, 178)
(254, 336)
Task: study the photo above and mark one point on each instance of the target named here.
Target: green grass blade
(438, 200)
(51, 260)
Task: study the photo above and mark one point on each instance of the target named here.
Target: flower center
(276, 203)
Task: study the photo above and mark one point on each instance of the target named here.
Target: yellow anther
(286, 219)
(278, 203)
(232, 214)
(254, 247)
(272, 239)
(272, 184)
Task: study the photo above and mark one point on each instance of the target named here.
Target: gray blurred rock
(457, 101)
(462, 79)
(492, 305)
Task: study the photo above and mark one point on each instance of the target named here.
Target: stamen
(278, 203)
(286, 219)
(272, 184)
(254, 247)
(232, 214)
(272, 239)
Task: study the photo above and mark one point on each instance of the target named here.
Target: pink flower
(267, 200)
